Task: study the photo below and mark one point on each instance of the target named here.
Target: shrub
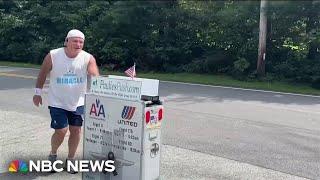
(316, 83)
(196, 66)
(217, 61)
(241, 65)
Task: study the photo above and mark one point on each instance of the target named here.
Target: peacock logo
(18, 166)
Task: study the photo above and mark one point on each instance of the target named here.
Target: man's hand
(37, 100)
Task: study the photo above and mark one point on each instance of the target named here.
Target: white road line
(17, 75)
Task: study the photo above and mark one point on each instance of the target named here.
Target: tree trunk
(262, 38)
(312, 16)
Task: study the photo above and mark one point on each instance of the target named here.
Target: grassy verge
(220, 80)
(16, 64)
(223, 80)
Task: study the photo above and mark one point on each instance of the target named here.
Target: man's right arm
(44, 70)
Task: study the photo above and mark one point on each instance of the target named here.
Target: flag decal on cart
(127, 112)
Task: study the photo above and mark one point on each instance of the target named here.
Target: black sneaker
(52, 158)
(71, 170)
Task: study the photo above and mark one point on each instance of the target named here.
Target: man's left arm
(93, 69)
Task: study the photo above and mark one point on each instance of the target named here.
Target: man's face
(75, 44)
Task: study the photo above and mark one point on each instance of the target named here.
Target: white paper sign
(117, 88)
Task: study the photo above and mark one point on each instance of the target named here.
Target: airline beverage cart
(123, 123)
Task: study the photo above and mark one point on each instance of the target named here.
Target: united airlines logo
(97, 109)
(127, 112)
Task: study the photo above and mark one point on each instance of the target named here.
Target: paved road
(208, 132)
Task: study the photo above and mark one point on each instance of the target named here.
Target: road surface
(208, 132)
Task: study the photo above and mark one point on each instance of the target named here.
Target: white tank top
(68, 79)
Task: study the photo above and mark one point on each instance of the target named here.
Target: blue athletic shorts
(61, 118)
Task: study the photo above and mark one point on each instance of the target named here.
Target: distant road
(271, 131)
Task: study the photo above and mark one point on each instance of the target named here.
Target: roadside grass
(18, 64)
(223, 80)
(208, 79)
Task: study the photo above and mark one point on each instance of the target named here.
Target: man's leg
(59, 123)
(74, 139)
(57, 139)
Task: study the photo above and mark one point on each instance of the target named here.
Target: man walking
(69, 67)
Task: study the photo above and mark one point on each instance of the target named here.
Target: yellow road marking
(17, 75)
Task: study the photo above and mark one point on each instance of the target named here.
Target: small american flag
(131, 72)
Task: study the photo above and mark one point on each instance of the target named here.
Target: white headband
(75, 33)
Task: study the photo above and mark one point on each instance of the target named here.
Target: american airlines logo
(97, 111)
(127, 112)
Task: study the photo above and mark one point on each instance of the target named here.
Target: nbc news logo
(48, 166)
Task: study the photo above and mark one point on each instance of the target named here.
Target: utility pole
(262, 38)
(311, 25)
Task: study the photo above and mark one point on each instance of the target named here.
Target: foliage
(241, 65)
(170, 36)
